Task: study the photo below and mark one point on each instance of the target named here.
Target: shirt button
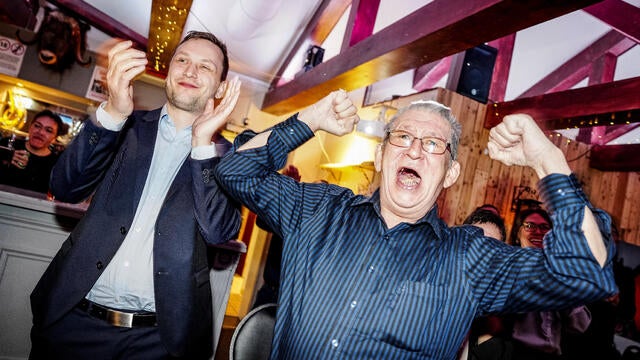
(335, 343)
(353, 304)
(123, 230)
(371, 269)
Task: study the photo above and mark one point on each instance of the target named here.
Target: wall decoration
(11, 56)
(61, 41)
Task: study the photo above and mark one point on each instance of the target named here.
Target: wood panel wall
(483, 180)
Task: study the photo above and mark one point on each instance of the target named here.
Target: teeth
(408, 177)
(409, 182)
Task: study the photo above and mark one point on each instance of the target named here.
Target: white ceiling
(258, 33)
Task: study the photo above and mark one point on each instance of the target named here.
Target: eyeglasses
(530, 227)
(430, 144)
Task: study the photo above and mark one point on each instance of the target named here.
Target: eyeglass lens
(529, 226)
(431, 145)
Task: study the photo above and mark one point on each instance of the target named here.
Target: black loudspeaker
(314, 57)
(476, 72)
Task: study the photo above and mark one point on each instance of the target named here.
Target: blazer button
(123, 230)
(99, 265)
(205, 176)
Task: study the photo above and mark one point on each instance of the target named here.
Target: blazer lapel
(145, 140)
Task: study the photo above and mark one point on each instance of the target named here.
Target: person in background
(608, 317)
(28, 164)
(539, 335)
(132, 279)
(487, 217)
(382, 276)
(489, 337)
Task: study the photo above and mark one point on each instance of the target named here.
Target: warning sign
(11, 56)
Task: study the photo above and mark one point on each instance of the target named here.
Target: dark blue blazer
(195, 213)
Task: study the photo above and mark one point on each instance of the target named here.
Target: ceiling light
(165, 31)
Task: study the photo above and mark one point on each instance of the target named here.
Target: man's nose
(190, 71)
(415, 149)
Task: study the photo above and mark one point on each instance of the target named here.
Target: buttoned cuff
(106, 121)
(558, 191)
(293, 132)
(204, 152)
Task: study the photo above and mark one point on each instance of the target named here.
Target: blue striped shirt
(352, 288)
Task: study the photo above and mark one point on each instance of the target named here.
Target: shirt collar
(168, 128)
(431, 218)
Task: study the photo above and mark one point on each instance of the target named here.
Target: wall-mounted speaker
(476, 72)
(314, 57)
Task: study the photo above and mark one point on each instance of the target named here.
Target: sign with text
(98, 85)
(11, 55)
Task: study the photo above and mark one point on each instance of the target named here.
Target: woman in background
(538, 335)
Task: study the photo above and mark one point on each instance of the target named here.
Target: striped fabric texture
(353, 289)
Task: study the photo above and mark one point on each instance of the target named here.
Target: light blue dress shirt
(127, 282)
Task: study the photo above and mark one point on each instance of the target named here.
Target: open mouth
(536, 242)
(408, 178)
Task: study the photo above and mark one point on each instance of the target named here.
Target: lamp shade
(371, 128)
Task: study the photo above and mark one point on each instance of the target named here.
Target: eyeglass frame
(529, 226)
(422, 145)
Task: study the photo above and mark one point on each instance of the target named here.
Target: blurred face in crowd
(411, 177)
(194, 75)
(532, 230)
(42, 133)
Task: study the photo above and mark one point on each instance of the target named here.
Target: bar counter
(32, 230)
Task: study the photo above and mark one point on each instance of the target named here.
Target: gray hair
(438, 109)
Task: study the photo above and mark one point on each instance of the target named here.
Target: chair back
(252, 337)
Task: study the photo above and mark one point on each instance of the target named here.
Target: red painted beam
(606, 98)
(615, 157)
(362, 20)
(603, 70)
(614, 132)
(502, 67)
(317, 30)
(427, 76)
(620, 15)
(101, 21)
(577, 68)
(452, 27)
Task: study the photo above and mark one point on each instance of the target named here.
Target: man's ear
(452, 174)
(221, 89)
(377, 161)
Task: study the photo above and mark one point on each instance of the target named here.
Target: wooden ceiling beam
(101, 21)
(362, 20)
(613, 97)
(614, 132)
(427, 76)
(452, 27)
(620, 15)
(615, 157)
(328, 16)
(317, 30)
(502, 67)
(577, 68)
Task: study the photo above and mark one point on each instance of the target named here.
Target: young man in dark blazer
(132, 279)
